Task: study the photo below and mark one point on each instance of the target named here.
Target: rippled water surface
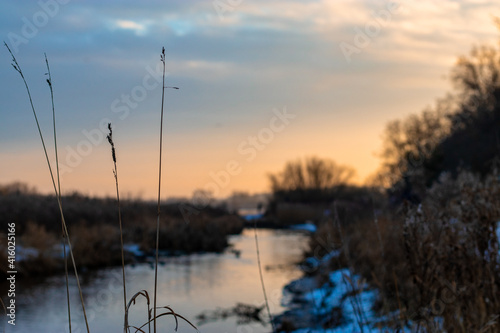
(189, 284)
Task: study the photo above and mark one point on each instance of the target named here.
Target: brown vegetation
(431, 247)
(439, 259)
(96, 235)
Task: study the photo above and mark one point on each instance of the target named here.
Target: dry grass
(167, 311)
(35, 237)
(296, 213)
(96, 245)
(57, 190)
(438, 265)
(115, 174)
(451, 242)
(202, 234)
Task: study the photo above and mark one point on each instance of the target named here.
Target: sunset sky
(261, 83)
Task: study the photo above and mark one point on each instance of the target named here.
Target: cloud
(139, 28)
(233, 69)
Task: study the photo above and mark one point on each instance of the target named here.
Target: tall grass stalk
(115, 173)
(262, 276)
(16, 66)
(162, 57)
(65, 257)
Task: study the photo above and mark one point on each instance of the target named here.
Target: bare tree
(477, 80)
(312, 173)
(409, 142)
(461, 130)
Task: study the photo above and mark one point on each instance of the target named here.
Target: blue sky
(339, 69)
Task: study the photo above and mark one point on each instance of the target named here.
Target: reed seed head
(110, 140)
(162, 55)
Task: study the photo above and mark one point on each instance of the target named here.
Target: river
(189, 284)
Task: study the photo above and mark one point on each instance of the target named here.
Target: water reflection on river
(189, 284)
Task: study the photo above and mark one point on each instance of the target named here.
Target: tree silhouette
(311, 174)
(462, 131)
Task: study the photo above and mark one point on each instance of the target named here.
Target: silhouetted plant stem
(49, 82)
(162, 56)
(16, 66)
(261, 276)
(115, 173)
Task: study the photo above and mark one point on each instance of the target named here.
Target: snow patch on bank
(26, 253)
(345, 301)
(308, 226)
(134, 249)
(349, 294)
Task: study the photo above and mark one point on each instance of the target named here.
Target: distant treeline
(94, 230)
(314, 188)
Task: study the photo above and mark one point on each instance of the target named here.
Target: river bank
(190, 284)
(95, 232)
(327, 301)
(329, 297)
